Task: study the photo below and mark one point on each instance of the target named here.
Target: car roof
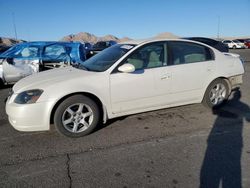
(42, 43)
(142, 41)
(190, 38)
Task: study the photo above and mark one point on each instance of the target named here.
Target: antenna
(14, 24)
(218, 29)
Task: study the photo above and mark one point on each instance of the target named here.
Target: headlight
(28, 97)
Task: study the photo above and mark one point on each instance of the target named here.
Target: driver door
(137, 91)
(55, 56)
(24, 63)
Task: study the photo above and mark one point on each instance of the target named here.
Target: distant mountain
(87, 37)
(166, 35)
(9, 41)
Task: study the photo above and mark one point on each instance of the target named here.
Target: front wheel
(1, 83)
(77, 116)
(216, 94)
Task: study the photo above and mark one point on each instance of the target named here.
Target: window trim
(170, 51)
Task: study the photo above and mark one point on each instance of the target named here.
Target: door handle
(165, 76)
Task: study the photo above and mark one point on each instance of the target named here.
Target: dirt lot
(178, 147)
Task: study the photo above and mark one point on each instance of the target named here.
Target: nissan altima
(124, 79)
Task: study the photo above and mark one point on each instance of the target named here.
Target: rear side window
(187, 52)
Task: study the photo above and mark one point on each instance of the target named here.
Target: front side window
(28, 52)
(149, 56)
(187, 52)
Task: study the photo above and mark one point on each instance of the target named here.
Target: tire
(216, 94)
(76, 116)
(234, 47)
(1, 83)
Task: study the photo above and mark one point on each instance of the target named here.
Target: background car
(245, 41)
(27, 58)
(211, 42)
(234, 44)
(126, 78)
(101, 45)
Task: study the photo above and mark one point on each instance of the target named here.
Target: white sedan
(126, 78)
(234, 44)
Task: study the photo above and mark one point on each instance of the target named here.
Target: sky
(54, 19)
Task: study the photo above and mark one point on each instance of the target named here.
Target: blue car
(27, 58)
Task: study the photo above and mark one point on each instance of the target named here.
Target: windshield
(20, 50)
(236, 41)
(106, 58)
(12, 51)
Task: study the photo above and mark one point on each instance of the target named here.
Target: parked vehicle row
(223, 45)
(236, 44)
(126, 78)
(246, 42)
(31, 57)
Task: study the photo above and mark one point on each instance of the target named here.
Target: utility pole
(14, 24)
(218, 28)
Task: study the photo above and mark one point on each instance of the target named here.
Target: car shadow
(5, 86)
(109, 122)
(222, 162)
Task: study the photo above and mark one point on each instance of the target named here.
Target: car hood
(50, 78)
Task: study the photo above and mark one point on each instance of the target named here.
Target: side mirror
(127, 68)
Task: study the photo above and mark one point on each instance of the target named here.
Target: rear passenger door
(192, 65)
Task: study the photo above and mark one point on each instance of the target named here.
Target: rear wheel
(216, 94)
(77, 116)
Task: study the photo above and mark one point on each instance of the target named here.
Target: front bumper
(29, 117)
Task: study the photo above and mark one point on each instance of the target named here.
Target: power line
(218, 28)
